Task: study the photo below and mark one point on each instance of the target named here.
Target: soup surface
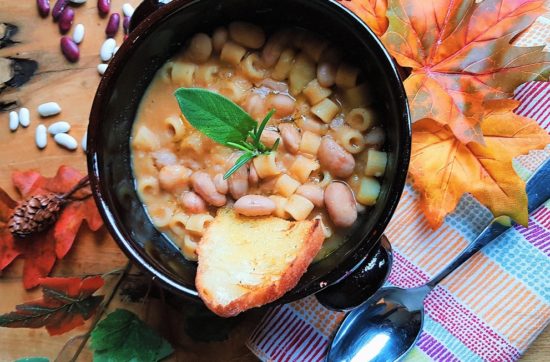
(329, 156)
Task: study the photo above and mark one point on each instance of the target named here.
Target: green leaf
(241, 161)
(122, 336)
(32, 359)
(214, 115)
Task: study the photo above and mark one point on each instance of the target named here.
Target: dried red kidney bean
(70, 49)
(58, 8)
(104, 6)
(126, 24)
(112, 25)
(43, 7)
(66, 20)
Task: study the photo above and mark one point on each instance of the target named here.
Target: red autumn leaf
(372, 12)
(42, 250)
(461, 56)
(66, 303)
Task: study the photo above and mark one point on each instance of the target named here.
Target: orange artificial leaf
(66, 303)
(461, 56)
(372, 12)
(443, 168)
(43, 249)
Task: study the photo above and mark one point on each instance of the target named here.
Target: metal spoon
(389, 323)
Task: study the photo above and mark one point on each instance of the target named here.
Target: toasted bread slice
(246, 262)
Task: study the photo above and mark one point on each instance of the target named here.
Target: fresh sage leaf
(214, 115)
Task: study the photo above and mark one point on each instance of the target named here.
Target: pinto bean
(204, 186)
(221, 185)
(192, 203)
(335, 158)
(313, 193)
(340, 204)
(291, 137)
(254, 205)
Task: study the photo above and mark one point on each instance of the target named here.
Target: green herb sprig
(221, 120)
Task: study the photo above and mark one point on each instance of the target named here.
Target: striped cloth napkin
(492, 308)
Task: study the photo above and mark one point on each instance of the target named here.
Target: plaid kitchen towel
(490, 309)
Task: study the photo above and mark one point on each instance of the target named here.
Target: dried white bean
(41, 136)
(84, 142)
(24, 117)
(49, 109)
(66, 141)
(127, 9)
(101, 68)
(115, 50)
(78, 33)
(59, 127)
(14, 121)
(78, 1)
(107, 49)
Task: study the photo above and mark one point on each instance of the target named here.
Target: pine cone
(35, 214)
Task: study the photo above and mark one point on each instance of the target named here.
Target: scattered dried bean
(128, 9)
(48, 109)
(126, 24)
(78, 33)
(112, 25)
(43, 7)
(14, 121)
(59, 127)
(66, 20)
(70, 49)
(78, 1)
(66, 141)
(24, 117)
(41, 137)
(84, 142)
(104, 6)
(58, 8)
(101, 68)
(106, 51)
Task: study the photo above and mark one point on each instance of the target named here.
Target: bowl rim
(146, 26)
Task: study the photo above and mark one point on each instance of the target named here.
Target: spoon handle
(538, 191)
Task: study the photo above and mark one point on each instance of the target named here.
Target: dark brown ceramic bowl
(158, 36)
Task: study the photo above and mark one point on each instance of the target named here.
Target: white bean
(326, 74)
(14, 121)
(247, 34)
(335, 158)
(101, 68)
(24, 117)
(313, 193)
(128, 9)
(340, 204)
(59, 127)
(41, 136)
(66, 141)
(107, 49)
(200, 48)
(254, 205)
(219, 38)
(116, 50)
(78, 1)
(49, 109)
(291, 137)
(78, 33)
(192, 203)
(221, 185)
(84, 142)
(204, 186)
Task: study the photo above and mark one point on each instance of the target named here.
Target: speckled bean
(104, 6)
(112, 25)
(58, 8)
(66, 141)
(66, 20)
(43, 7)
(335, 158)
(254, 205)
(340, 204)
(192, 203)
(70, 49)
(204, 186)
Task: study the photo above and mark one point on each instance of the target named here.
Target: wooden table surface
(73, 87)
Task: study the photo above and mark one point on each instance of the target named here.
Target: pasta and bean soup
(329, 158)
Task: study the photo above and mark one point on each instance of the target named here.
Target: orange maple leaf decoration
(461, 56)
(43, 249)
(372, 12)
(443, 168)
